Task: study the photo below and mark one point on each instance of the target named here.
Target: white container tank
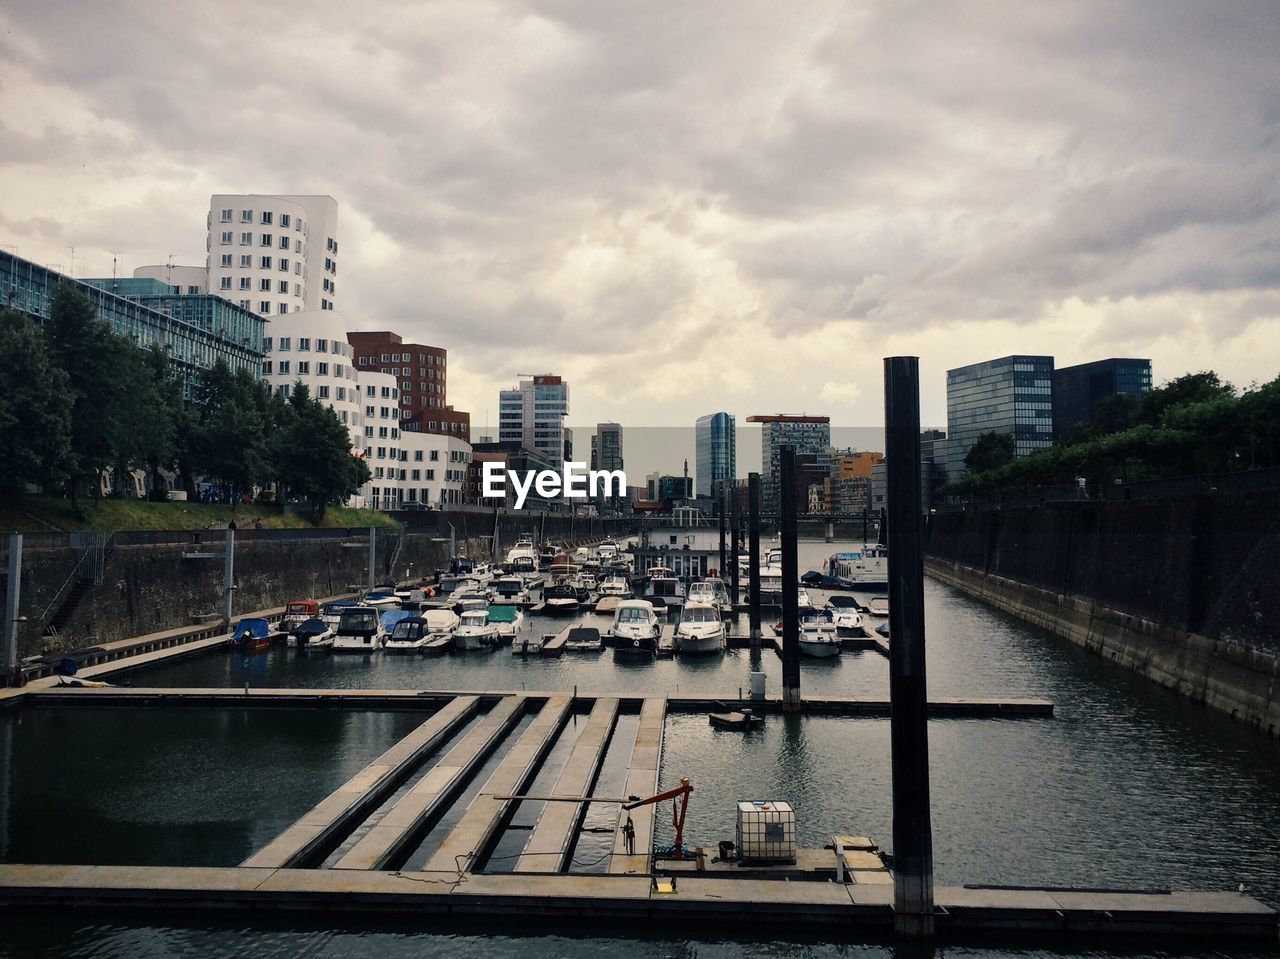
(766, 832)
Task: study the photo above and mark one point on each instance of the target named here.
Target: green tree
(317, 461)
(35, 409)
(992, 450)
(231, 444)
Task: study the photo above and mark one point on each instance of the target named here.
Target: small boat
(736, 719)
(297, 612)
(331, 613)
(387, 621)
(509, 591)
(818, 637)
(701, 630)
(865, 568)
(314, 634)
(607, 604)
(846, 615)
(664, 585)
(878, 606)
(441, 624)
(251, 636)
(615, 585)
(359, 630)
(584, 639)
(635, 627)
(803, 602)
(409, 635)
(606, 551)
(475, 632)
(381, 598)
(508, 620)
(561, 598)
(711, 591)
(770, 586)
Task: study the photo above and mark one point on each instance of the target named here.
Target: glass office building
(715, 451)
(808, 435)
(196, 331)
(1012, 395)
(533, 415)
(1077, 389)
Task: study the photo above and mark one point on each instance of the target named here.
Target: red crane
(678, 811)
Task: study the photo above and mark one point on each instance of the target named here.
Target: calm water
(1128, 785)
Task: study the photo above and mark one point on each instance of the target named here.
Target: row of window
(282, 368)
(246, 216)
(285, 343)
(265, 263)
(227, 238)
(429, 358)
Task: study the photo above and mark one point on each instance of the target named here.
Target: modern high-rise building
(273, 254)
(715, 451)
(808, 434)
(1077, 389)
(532, 414)
(420, 376)
(606, 447)
(1011, 395)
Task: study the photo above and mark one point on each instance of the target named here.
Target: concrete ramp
(351, 803)
(482, 818)
(548, 846)
(390, 835)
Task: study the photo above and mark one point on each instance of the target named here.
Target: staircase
(94, 550)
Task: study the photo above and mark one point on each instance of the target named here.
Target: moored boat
(635, 627)
(700, 630)
(359, 630)
(846, 616)
(475, 632)
(313, 634)
(508, 620)
(410, 635)
(297, 612)
(251, 636)
(818, 637)
(711, 591)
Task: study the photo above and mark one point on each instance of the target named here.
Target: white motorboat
(509, 591)
(382, 598)
(470, 594)
(818, 637)
(359, 630)
(314, 633)
(846, 616)
(770, 586)
(635, 627)
(711, 591)
(615, 585)
(865, 568)
(584, 639)
(409, 635)
(441, 623)
(701, 630)
(607, 551)
(878, 606)
(508, 619)
(803, 600)
(663, 588)
(475, 632)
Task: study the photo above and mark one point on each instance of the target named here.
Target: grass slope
(32, 514)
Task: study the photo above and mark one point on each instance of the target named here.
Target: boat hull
(476, 642)
(699, 645)
(819, 650)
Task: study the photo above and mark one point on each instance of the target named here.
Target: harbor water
(1127, 786)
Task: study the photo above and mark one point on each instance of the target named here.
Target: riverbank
(46, 514)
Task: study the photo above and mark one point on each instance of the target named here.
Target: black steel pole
(790, 582)
(908, 723)
(719, 490)
(753, 545)
(735, 515)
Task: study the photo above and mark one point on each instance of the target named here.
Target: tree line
(1197, 423)
(81, 400)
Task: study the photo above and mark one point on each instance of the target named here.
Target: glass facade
(808, 434)
(715, 451)
(196, 331)
(1012, 395)
(1077, 389)
(533, 415)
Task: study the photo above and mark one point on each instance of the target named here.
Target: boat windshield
(407, 630)
(358, 621)
(663, 587)
(843, 602)
(508, 587)
(699, 616)
(475, 617)
(633, 614)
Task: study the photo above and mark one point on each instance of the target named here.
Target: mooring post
(790, 582)
(735, 514)
(753, 546)
(720, 521)
(908, 722)
(228, 575)
(12, 595)
(373, 555)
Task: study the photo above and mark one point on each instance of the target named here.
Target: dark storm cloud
(576, 177)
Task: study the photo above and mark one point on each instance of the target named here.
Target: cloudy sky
(688, 206)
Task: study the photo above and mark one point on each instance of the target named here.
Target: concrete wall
(1182, 590)
(158, 581)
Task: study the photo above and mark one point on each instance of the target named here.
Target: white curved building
(311, 347)
(274, 254)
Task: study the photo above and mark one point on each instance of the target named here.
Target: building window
(342, 393)
(265, 263)
(266, 344)
(246, 261)
(324, 392)
(417, 456)
(304, 368)
(338, 369)
(370, 412)
(226, 237)
(264, 306)
(284, 265)
(246, 216)
(284, 367)
(322, 346)
(386, 357)
(435, 454)
(284, 307)
(266, 239)
(282, 287)
(382, 432)
(225, 216)
(284, 220)
(226, 260)
(266, 367)
(246, 283)
(284, 243)
(246, 239)
(266, 217)
(224, 283)
(286, 343)
(431, 474)
(245, 304)
(322, 369)
(364, 361)
(264, 286)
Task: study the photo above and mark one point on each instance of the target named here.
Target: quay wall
(157, 581)
(1182, 590)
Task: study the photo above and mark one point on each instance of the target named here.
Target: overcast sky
(690, 206)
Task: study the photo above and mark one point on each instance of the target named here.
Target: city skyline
(824, 207)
